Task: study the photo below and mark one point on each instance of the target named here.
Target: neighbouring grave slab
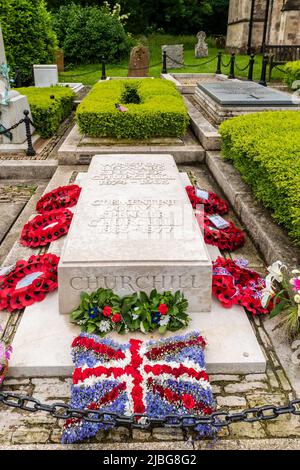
(175, 55)
(134, 229)
(231, 98)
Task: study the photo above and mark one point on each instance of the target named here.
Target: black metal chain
(279, 69)
(13, 127)
(217, 419)
(226, 65)
(243, 68)
(192, 65)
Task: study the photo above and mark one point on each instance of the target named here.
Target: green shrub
(28, 35)
(130, 93)
(292, 72)
(49, 107)
(88, 33)
(265, 149)
(161, 113)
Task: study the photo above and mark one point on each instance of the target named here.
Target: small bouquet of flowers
(283, 290)
(5, 352)
(104, 311)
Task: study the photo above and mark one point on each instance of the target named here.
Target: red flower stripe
(98, 348)
(158, 369)
(186, 400)
(230, 238)
(109, 397)
(160, 351)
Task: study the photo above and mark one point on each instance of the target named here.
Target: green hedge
(292, 72)
(265, 149)
(48, 112)
(161, 113)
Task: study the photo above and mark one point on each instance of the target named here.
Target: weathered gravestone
(139, 62)
(175, 55)
(12, 104)
(201, 48)
(231, 98)
(134, 230)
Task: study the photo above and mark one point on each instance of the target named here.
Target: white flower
(297, 299)
(164, 320)
(267, 293)
(135, 316)
(104, 326)
(275, 271)
(295, 271)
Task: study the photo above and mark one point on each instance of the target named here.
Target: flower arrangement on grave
(235, 284)
(282, 290)
(213, 204)
(220, 232)
(103, 311)
(28, 281)
(156, 378)
(62, 197)
(5, 353)
(46, 228)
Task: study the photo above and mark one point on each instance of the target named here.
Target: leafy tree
(88, 33)
(28, 35)
(171, 16)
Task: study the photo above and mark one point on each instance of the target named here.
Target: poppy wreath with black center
(213, 205)
(230, 238)
(13, 297)
(62, 197)
(46, 227)
(234, 284)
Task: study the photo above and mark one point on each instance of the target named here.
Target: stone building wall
(283, 24)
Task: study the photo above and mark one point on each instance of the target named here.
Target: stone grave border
(190, 89)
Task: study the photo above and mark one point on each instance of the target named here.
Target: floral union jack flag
(155, 378)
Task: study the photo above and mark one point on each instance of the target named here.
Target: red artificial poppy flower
(64, 196)
(107, 311)
(116, 318)
(163, 309)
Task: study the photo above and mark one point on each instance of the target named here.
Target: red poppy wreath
(62, 197)
(229, 238)
(28, 282)
(211, 201)
(46, 228)
(235, 284)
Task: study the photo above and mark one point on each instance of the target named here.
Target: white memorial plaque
(134, 229)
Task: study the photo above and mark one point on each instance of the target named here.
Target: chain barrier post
(232, 66)
(164, 67)
(251, 67)
(103, 68)
(30, 152)
(219, 63)
(263, 79)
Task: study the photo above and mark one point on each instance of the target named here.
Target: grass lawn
(92, 72)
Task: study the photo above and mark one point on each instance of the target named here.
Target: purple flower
(93, 312)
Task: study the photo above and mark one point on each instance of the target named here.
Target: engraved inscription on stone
(132, 173)
(136, 283)
(137, 217)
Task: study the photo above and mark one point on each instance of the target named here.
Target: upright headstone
(201, 48)
(139, 62)
(12, 104)
(45, 75)
(134, 230)
(175, 55)
(60, 60)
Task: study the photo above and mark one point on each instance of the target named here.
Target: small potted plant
(5, 352)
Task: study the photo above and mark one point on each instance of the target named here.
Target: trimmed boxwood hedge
(49, 107)
(161, 113)
(265, 148)
(292, 72)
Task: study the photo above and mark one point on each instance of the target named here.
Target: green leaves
(137, 312)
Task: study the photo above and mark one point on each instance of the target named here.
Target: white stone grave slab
(43, 339)
(45, 75)
(134, 229)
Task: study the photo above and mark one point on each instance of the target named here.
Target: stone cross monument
(12, 104)
(201, 48)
